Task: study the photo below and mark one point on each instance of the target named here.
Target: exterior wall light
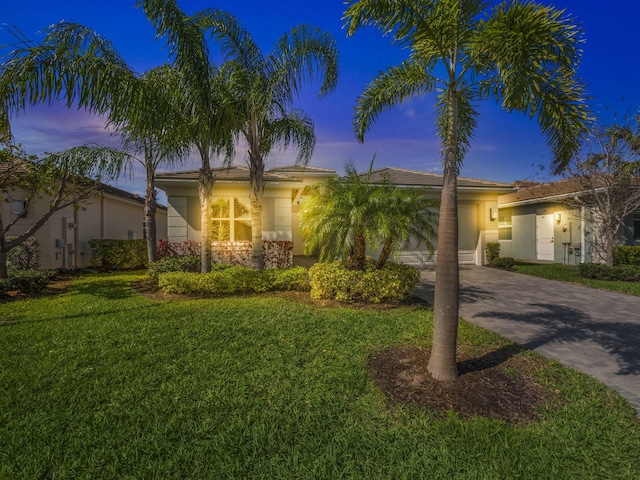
(493, 214)
(558, 218)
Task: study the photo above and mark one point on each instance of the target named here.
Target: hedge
(390, 284)
(233, 280)
(624, 273)
(626, 255)
(492, 249)
(27, 282)
(118, 254)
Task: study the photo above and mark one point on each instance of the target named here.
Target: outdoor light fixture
(558, 217)
(493, 214)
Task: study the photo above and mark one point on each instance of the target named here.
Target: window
(636, 228)
(230, 219)
(504, 226)
(19, 206)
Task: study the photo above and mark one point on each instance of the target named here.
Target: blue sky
(506, 147)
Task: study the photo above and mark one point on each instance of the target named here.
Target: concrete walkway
(593, 331)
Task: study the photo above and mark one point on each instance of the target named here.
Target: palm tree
(264, 88)
(521, 54)
(78, 66)
(209, 123)
(161, 138)
(347, 217)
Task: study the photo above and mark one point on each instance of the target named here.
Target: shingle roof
(542, 191)
(229, 174)
(302, 169)
(401, 176)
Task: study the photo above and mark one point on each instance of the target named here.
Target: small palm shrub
(390, 284)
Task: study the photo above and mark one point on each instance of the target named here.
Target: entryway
(544, 237)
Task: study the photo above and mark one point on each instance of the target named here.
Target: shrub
(25, 256)
(233, 280)
(622, 273)
(190, 263)
(626, 255)
(390, 284)
(118, 254)
(177, 249)
(492, 250)
(503, 262)
(30, 281)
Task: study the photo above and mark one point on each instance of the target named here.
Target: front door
(544, 237)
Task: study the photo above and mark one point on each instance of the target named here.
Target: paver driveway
(594, 331)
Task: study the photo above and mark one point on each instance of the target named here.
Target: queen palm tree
(264, 88)
(76, 65)
(520, 54)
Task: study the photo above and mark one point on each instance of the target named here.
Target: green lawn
(570, 273)
(103, 383)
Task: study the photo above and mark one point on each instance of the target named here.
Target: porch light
(493, 214)
(558, 218)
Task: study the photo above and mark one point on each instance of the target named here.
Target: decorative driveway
(594, 331)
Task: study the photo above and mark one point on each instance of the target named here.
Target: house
(541, 222)
(285, 190)
(64, 238)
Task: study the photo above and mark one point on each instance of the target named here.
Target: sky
(506, 147)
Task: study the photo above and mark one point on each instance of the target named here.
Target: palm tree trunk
(256, 167)
(150, 208)
(442, 363)
(384, 255)
(205, 185)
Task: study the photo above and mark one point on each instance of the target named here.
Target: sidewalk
(593, 331)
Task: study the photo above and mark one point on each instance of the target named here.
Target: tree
(520, 54)
(348, 217)
(608, 180)
(63, 179)
(161, 138)
(76, 65)
(264, 88)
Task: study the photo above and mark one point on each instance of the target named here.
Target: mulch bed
(495, 384)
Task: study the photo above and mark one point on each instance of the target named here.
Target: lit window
(230, 219)
(504, 226)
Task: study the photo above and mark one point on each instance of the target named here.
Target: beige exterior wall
(64, 237)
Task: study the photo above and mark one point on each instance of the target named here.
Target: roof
(403, 177)
(542, 191)
(303, 169)
(224, 174)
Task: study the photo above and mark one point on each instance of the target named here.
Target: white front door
(544, 237)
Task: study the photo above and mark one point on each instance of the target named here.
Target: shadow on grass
(490, 359)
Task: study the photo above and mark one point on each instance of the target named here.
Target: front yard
(102, 382)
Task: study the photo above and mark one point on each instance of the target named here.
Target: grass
(100, 382)
(570, 273)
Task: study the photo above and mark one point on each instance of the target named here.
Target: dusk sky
(506, 147)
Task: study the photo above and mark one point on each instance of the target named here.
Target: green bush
(503, 262)
(190, 263)
(390, 284)
(626, 255)
(492, 249)
(118, 254)
(233, 280)
(623, 273)
(25, 256)
(29, 281)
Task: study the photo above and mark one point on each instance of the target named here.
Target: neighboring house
(64, 238)
(537, 222)
(285, 190)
